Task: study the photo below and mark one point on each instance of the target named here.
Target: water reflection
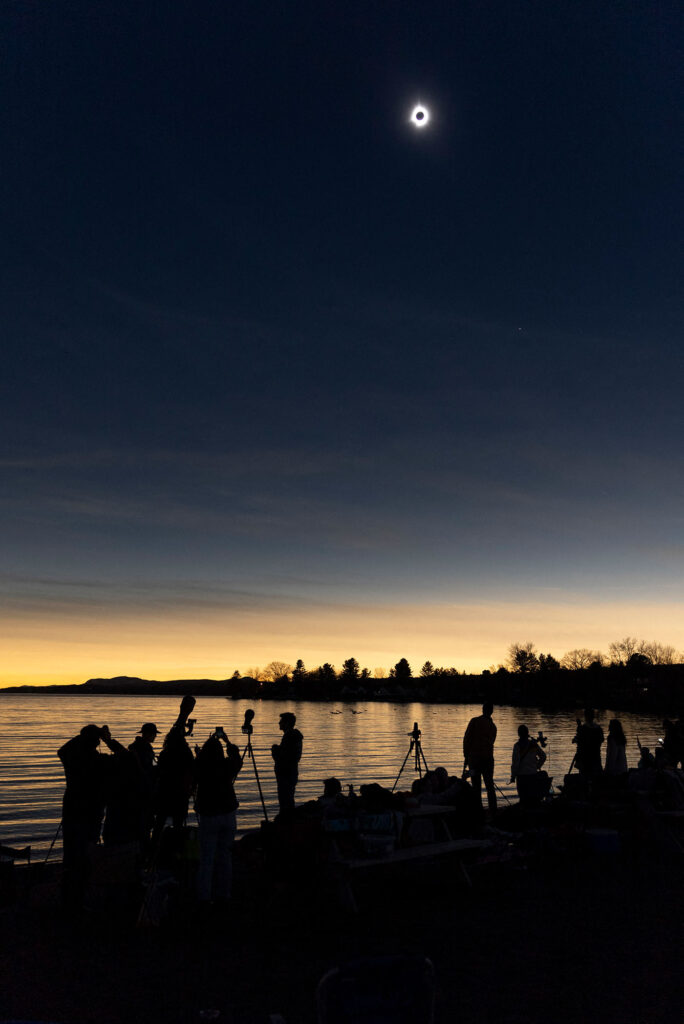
(359, 743)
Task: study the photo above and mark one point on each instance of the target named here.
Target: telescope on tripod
(415, 748)
(247, 730)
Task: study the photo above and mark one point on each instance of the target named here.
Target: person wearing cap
(146, 760)
(143, 749)
(286, 756)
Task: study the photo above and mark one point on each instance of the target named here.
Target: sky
(284, 376)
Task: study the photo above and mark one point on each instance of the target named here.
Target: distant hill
(133, 684)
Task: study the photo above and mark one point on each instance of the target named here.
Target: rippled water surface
(362, 742)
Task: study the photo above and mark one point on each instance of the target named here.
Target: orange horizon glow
(71, 647)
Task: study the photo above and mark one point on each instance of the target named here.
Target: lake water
(358, 743)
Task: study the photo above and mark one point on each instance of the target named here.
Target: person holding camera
(286, 756)
(87, 772)
(526, 765)
(215, 806)
(175, 773)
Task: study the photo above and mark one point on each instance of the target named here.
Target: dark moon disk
(420, 116)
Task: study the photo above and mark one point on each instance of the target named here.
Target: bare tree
(276, 670)
(379, 673)
(659, 654)
(622, 650)
(581, 657)
(522, 657)
(256, 673)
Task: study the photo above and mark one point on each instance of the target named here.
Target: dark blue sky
(265, 342)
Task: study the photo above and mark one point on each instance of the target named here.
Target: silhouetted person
(478, 752)
(216, 805)
(646, 758)
(332, 790)
(332, 801)
(526, 764)
(143, 751)
(87, 772)
(679, 726)
(616, 749)
(124, 800)
(588, 738)
(673, 742)
(286, 756)
(176, 773)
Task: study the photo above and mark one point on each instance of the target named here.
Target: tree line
(521, 658)
(633, 674)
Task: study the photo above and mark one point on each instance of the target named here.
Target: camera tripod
(247, 729)
(415, 748)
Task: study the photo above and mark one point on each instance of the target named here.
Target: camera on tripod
(415, 748)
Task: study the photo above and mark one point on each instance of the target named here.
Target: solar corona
(420, 116)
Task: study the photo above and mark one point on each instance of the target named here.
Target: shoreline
(563, 936)
(511, 692)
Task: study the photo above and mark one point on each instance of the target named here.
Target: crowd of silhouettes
(129, 796)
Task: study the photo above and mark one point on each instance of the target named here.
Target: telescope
(415, 748)
(247, 729)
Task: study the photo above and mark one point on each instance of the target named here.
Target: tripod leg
(422, 754)
(258, 780)
(402, 767)
(54, 840)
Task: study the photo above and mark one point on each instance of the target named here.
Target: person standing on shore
(588, 739)
(478, 753)
(176, 773)
(87, 772)
(146, 759)
(673, 743)
(286, 756)
(215, 806)
(526, 764)
(616, 749)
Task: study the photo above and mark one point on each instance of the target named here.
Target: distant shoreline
(660, 691)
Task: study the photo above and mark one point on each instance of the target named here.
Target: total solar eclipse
(420, 116)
